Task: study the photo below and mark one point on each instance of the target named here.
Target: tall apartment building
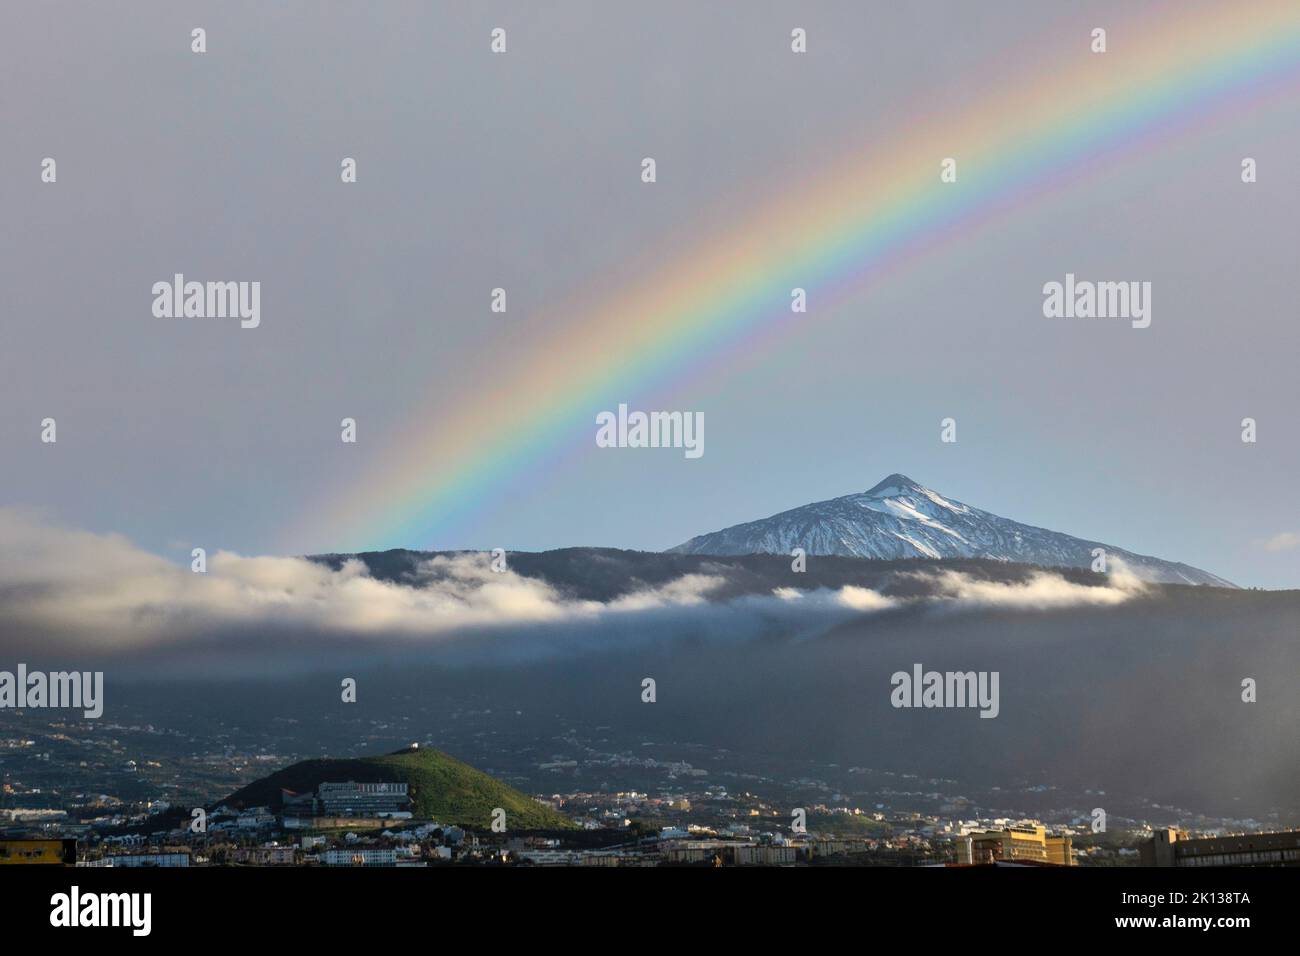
(167, 858)
(1168, 847)
(360, 856)
(1015, 845)
(361, 799)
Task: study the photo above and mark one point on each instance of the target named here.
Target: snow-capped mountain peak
(894, 484)
(901, 518)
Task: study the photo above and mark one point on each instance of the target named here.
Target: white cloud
(1283, 541)
(1042, 590)
(99, 591)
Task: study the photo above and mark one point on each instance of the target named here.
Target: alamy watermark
(922, 688)
(76, 909)
(651, 430)
(1083, 299)
(81, 690)
(179, 299)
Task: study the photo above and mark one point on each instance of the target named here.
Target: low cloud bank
(70, 590)
(1042, 591)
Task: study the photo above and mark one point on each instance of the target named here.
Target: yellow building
(49, 852)
(1015, 845)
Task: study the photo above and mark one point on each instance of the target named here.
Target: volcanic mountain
(899, 518)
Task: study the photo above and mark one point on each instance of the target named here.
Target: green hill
(442, 788)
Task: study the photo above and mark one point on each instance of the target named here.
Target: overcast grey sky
(478, 171)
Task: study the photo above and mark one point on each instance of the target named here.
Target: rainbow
(870, 212)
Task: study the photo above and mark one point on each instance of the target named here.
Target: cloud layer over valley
(67, 590)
